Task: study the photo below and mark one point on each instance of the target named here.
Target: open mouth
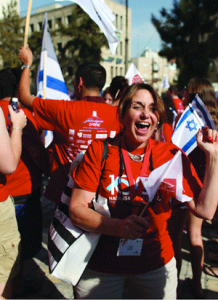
(142, 125)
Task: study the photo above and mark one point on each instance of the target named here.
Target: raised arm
(10, 149)
(206, 204)
(25, 97)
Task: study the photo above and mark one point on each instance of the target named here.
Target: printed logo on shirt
(112, 134)
(101, 136)
(121, 184)
(94, 120)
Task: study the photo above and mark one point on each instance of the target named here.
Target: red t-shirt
(27, 176)
(75, 125)
(178, 105)
(79, 122)
(4, 193)
(157, 247)
(167, 131)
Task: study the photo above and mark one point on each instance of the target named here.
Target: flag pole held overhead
(27, 23)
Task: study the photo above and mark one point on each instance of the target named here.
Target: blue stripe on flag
(182, 119)
(189, 144)
(204, 114)
(54, 83)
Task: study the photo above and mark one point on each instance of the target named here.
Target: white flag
(184, 135)
(170, 175)
(133, 75)
(50, 81)
(165, 83)
(101, 14)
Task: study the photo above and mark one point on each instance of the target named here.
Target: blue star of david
(191, 125)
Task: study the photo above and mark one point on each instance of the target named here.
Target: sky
(143, 33)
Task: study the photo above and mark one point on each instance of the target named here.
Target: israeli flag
(49, 70)
(50, 81)
(202, 112)
(184, 135)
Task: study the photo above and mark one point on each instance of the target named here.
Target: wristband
(18, 128)
(26, 66)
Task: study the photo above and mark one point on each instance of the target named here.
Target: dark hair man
(75, 123)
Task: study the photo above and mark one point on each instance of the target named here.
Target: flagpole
(160, 181)
(27, 23)
(44, 83)
(45, 60)
(126, 39)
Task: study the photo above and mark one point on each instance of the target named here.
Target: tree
(84, 40)
(188, 32)
(10, 36)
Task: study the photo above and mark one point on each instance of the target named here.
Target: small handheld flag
(50, 81)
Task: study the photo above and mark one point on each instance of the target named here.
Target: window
(121, 71)
(112, 72)
(69, 19)
(121, 22)
(58, 22)
(117, 49)
(116, 21)
(50, 24)
(32, 27)
(121, 48)
(116, 71)
(40, 26)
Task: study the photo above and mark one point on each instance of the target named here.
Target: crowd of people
(140, 244)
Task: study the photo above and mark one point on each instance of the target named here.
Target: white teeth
(144, 124)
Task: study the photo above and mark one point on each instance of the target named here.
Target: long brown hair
(205, 91)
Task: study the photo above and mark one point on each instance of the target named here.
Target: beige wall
(161, 67)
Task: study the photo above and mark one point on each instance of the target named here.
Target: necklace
(136, 157)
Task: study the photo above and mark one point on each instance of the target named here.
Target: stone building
(154, 68)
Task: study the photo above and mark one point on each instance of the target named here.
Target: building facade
(155, 68)
(114, 64)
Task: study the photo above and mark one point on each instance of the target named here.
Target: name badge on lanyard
(130, 247)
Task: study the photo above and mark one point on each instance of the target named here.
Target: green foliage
(188, 33)
(10, 36)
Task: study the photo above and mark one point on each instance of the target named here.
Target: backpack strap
(104, 157)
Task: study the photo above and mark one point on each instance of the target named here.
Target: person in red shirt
(10, 151)
(173, 94)
(75, 123)
(135, 249)
(25, 183)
